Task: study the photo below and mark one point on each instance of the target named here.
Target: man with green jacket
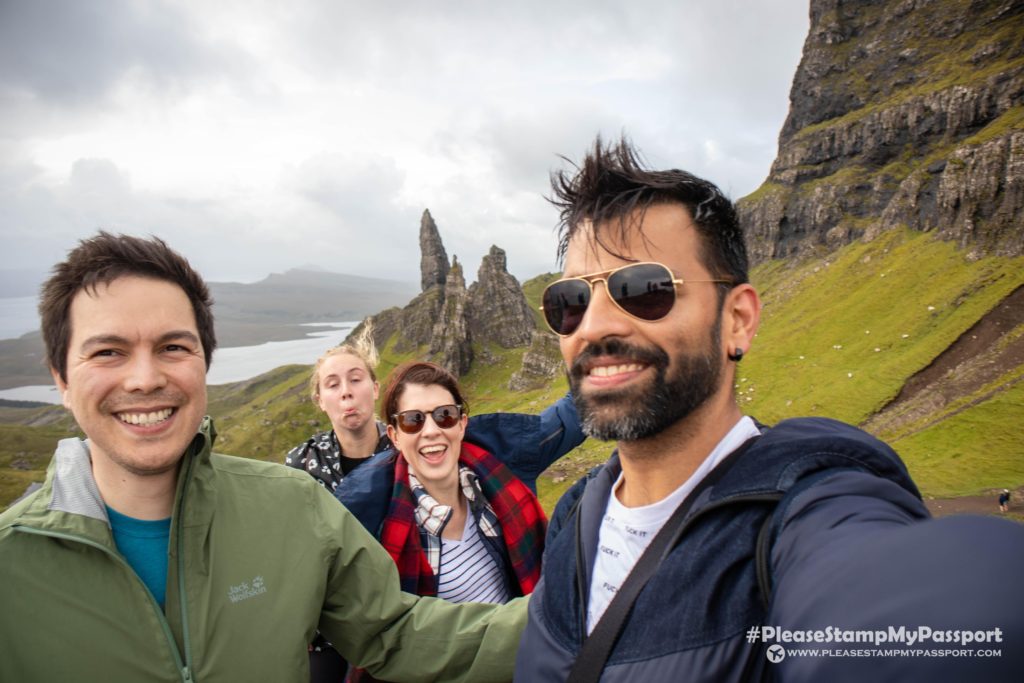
(147, 557)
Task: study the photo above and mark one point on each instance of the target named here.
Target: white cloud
(256, 136)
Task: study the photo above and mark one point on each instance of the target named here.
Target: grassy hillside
(266, 416)
(840, 336)
(24, 455)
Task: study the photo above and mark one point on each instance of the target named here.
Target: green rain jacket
(260, 556)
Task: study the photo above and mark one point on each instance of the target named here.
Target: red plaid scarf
(522, 520)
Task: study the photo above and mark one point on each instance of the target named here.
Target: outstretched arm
(856, 554)
(528, 444)
(397, 636)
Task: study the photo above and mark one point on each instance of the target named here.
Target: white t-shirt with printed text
(626, 532)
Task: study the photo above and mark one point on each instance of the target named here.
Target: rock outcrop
(446, 318)
(418, 318)
(450, 342)
(434, 264)
(497, 309)
(905, 113)
(541, 363)
(385, 324)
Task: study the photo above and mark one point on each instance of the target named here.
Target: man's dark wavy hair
(102, 259)
(612, 188)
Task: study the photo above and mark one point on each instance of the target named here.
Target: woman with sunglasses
(344, 385)
(461, 521)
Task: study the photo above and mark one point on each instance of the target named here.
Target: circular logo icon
(776, 653)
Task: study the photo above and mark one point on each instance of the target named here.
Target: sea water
(234, 364)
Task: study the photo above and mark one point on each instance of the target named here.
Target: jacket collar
(70, 486)
(74, 489)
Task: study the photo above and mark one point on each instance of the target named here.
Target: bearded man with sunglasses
(705, 528)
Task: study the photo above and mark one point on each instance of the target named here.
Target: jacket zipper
(182, 597)
(183, 670)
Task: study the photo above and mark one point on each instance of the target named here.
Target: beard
(641, 412)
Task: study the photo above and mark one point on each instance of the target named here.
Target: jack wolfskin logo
(246, 590)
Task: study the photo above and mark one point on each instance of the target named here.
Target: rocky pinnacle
(434, 264)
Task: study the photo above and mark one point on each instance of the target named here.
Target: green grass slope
(839, 337)
(24, 454)
(975, 451)
(266, 416)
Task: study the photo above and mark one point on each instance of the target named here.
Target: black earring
(738, 356)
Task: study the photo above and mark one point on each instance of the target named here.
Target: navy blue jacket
(526, 444)
(849, 547)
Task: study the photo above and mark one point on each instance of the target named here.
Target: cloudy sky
(256, 135)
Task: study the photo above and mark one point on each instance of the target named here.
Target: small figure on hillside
(1004, 501)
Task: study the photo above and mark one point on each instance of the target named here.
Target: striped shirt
(468, 571)
(432, 517)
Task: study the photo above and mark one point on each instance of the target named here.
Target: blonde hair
(362, 347)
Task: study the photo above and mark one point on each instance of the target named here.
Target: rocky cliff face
(446, 318)
(497, 309)
(416, 325)
(906, 113)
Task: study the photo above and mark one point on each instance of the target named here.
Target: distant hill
(269, 309)
(298, 296)
(248, 314)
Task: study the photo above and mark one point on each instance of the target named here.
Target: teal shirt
(143, 543)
